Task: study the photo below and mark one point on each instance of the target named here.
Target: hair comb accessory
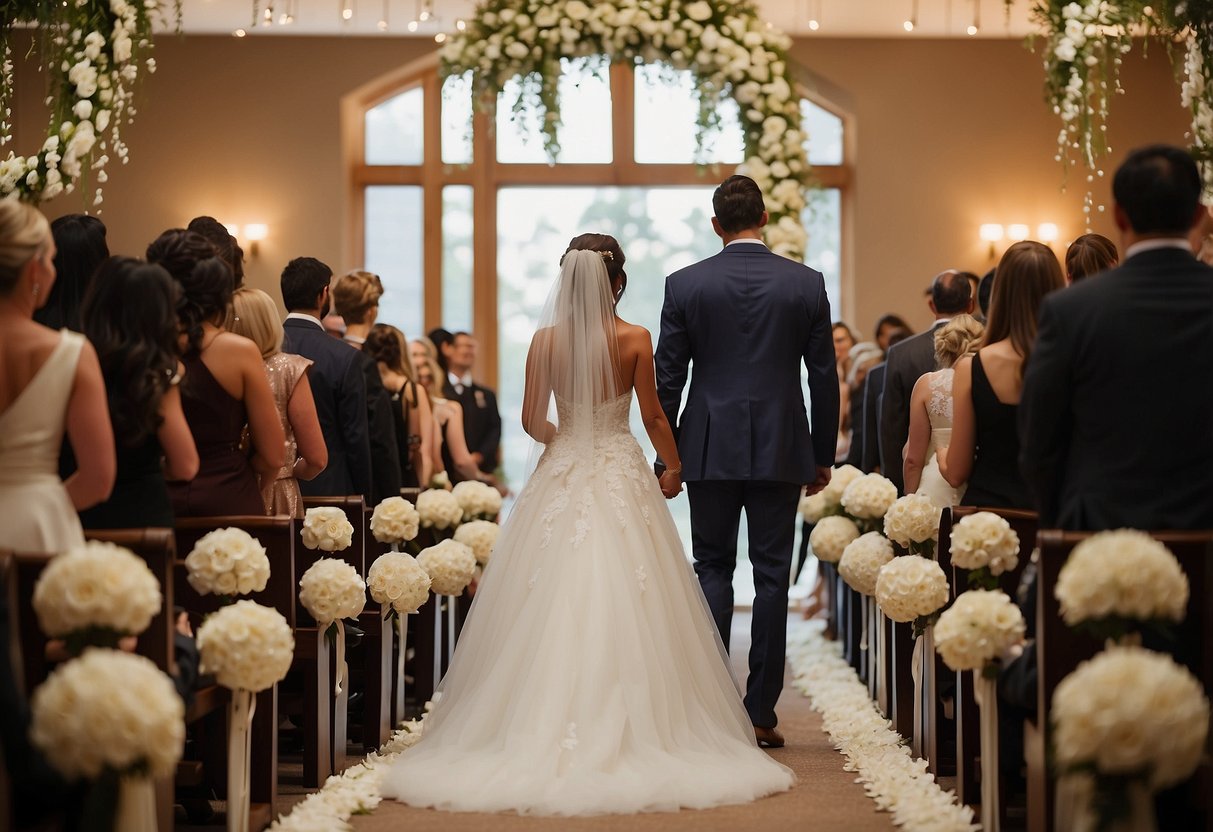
(606, 255)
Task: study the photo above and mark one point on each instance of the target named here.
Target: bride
(589, 677)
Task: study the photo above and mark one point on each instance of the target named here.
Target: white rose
(1122, 573)
(830, 537)
(978, 629)
(911, 587)
(480, 536)
(439, 509)
(227, 562)
(97, 585)
(247, 646)
(813, 507)
(395, 520)
(984, 540)
(912, 519)
(862, 560)
(326, 528)
(331, 590)
(398, 580)
(698, 11)
(450, 565)
(869, 496)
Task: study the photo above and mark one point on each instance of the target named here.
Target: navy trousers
(770, 509)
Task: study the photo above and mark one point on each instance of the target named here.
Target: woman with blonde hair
(413, 416)
(49, 382)
(356, 299)
(931, 413)
(255, 316)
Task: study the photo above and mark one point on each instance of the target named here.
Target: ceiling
(836, 18)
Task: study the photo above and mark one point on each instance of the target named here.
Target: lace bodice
(610, 418)
(939, 402)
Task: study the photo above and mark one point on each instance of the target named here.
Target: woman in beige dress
(255, 316)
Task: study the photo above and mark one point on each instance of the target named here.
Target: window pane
(393, 251)
(822, 218)
(393, 130)
(666, 111)
(585, 111)
(824, 131)
(457, 119)
(457, 257)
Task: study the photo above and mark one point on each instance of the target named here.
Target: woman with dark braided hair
(225, 386)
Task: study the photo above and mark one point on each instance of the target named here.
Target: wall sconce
(1017, 231)
(255, 232)
(992, 232)
(1047, 232)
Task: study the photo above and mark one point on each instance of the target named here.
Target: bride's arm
(920, 436)
(656, 425)
(538, 393)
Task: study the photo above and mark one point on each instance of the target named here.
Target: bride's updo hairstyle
(612, 258)
(205, 279)
(24, 234)
(956, 339)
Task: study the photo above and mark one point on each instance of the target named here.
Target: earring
(36, 287)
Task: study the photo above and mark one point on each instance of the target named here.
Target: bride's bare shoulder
(631, 334)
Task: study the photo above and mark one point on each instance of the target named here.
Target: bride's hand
(941, 456)
(671, 484)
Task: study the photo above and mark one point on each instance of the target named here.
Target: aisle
(825, 797)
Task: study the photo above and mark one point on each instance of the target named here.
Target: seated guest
(130, 316)
(412, 415)
(224, 389)
(1089, 254)
(984, 450)
(226, 247)
(256, 318)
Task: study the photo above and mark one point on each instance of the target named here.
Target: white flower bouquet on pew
(396, 580)
(326, 528)
(439, 510)
(478, 500)
(227, 562)
(862, 560)
(911, 588)
(867, 498)
(828, 501)
(1133, 720)
(978, 629)
(331, 590)
(985, 545)
(480, 536)
(1118, 581)
(247, 646)
(94, 595)
(831, 536)
(450, 565)
(913, 522)
(395, 521)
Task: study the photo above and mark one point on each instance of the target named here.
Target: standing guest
(1089, 254)
(441, 339)
(985, 388)
(863, 357)
(256, 318)
(49, 381)
(80, 248)
(413, 417)
(951, 294)
(886, 325)
(338, 384)
(356, 299)
(873, 393)
(225, 245)
(984, 288)
(334, 325)
(481, 418)
(130, 317)
(844, 340)
(225, 386)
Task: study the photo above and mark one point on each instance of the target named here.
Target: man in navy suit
(746, 318)
(338, 383)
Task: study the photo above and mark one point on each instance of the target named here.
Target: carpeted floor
(824, 798)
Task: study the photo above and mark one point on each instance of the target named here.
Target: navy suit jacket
(1116, 415)
(746, 318)
(339, 388)
(906, 362)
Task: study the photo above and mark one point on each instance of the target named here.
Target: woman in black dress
(410, 404)
(985, 388)
(129, 315)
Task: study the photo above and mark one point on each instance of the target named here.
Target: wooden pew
(1060, 650)
(277, 535)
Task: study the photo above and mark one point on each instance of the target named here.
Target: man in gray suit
(746, 318)
(951, 294)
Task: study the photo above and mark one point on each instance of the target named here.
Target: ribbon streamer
(136, 810)
(402, 638)
(985, 691)
(342, 668)
(437, 640)
(450, 636)
(863, 633)
(240, 710)
(916, 673)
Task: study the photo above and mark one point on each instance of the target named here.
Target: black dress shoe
(768, 737)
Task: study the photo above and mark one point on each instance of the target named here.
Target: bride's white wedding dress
(939, 411)
(589, 677)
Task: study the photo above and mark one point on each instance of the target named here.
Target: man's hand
(823, 479)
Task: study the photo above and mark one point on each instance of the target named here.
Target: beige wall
(948, 135)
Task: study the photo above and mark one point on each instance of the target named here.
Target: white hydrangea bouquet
(984, 544)
(439, 510)
(395, 521)
(1128, 716)
(828, 501)
(94, 595)
(326, 528)
(867, 498)
(480, 536)
(831, 536)
(478, 500)
(114, 718)
(227, 562)
(912, 588)
(1117, 582)
(451, 566)
(913, 523)
(862, 560)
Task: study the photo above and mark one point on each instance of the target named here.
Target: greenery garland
(91, 51)
(730, 52)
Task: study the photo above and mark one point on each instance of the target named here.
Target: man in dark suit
(746, 318)
(951, 294)
(1116, 415)
(481, 418)
(338, 383)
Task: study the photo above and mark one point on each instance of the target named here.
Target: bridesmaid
(411, 410)
(225, 387)
(255, 316)
(130, 316)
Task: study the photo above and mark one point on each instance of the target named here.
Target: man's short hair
(303, 279)
(1158, 188)
(738, 204)
(951, 292)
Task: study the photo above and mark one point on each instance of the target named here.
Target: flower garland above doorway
(729, 51)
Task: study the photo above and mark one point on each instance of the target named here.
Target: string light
(347, 10)
(975, 26)
(815, 19)
(387, 13)
(912, 20)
